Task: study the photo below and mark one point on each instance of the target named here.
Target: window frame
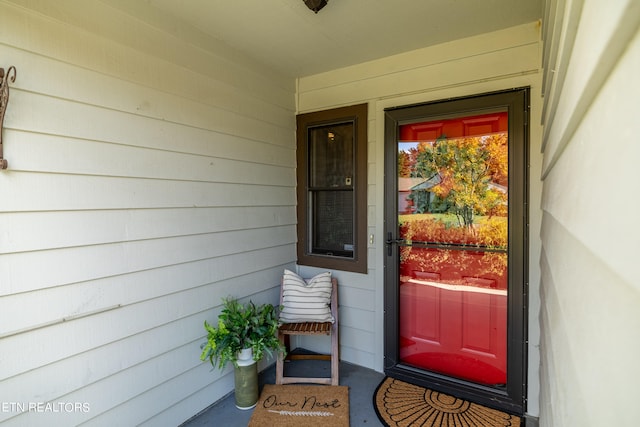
(357, 114)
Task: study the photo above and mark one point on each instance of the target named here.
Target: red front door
(452, 224)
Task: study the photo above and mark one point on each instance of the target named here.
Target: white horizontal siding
(398, 65)
(148, 178)
(590, 285)
(61, 266)
(83, 297)
(490, 62)
(470, 61)
(600, 39)
(90, 227)
(140, 45)
(46, 114)
(55, 154)
(458, 71)
(120, 366)
(62, 192)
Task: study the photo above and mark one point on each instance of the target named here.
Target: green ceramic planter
(246, 381)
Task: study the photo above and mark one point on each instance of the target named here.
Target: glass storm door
(449, 242)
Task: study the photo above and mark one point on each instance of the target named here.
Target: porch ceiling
(290, 38)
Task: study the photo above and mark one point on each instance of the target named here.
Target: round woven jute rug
(403, 405)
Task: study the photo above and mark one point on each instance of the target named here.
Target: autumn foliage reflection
(460, 203)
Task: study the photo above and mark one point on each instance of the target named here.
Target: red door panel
(453, 259)
(454, 332)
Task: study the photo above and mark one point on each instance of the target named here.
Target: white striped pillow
(306, 300)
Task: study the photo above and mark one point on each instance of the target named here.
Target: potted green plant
(243, 334)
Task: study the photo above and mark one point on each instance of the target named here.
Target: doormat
(398, 403)
(302, 405)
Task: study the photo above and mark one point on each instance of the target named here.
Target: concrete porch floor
(362, 383)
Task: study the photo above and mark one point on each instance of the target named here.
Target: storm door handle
(391, 241)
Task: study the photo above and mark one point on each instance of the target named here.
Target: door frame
(512, 397)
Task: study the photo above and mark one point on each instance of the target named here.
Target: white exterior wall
(148, 178)
(591, 292)
(494, 61)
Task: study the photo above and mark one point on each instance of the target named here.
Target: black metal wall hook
(4, 100)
